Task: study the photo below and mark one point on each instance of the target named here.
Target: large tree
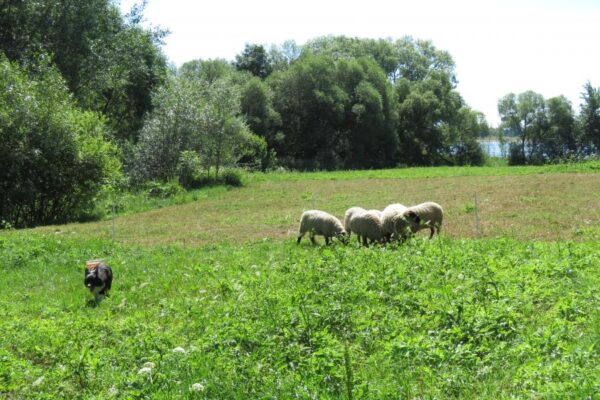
(525, 115)
(255, 60)
(590, 118)
(335, 114)
(110, 63)
(192, 114)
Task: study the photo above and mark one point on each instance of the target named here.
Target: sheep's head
(413, 217)
(342, 237)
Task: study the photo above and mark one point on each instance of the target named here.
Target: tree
(54, 159)
(255, 60)
(208, 70)
(560, 138)
(110, 64)
(334, 114)
(429, 116)
(191, 114)
(524, 114)
(589, 117)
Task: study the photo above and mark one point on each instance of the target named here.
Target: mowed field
(540, 206)
(213, 299)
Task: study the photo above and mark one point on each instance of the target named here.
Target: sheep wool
(317, 222)
(428, 215)
(387, 219)
(368, 226)
(348, 216)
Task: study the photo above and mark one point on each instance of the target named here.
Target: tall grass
(432, 319)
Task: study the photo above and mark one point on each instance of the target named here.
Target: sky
(499, 47)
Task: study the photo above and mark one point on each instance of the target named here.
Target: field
(213, 299)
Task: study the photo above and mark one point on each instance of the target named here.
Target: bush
(516, 155)
(189, 169)
(231, 177)
(163, 189)
(54, 160)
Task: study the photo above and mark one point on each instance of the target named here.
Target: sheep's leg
(312, 238)
(300, 236)
(432, 229)
(365, 241)
(327, 241)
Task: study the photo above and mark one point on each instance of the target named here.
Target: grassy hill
(213, 299)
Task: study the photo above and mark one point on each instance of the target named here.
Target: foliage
(191, 114)
(110, 64)
(444, 318)
(590, 119)
(162, 189)
(54, 159)
(255, 60)
(335, 114)
(548, 130)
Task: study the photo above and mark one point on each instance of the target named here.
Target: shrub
(516, 155)
(54, 160)
(231, 177)
(163, 189)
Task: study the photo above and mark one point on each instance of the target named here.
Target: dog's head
(97, 275)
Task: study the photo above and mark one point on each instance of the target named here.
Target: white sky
(548, 46)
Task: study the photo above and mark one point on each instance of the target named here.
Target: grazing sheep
(368, 226)
(348, 216)
(422, 216)
(388, 219)
(317, 222)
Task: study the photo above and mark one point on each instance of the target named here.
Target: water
(494, 148)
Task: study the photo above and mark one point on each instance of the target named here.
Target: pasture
(213, 299)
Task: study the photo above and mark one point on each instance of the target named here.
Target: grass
(433, 319)
(544, 206)
(213, 299)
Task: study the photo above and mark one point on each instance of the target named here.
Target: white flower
(38, 381)
(144, 371)
(197, 387)
(178, 350)
(148, 365)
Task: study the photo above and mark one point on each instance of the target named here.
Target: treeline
(549, 130)
(91, 105)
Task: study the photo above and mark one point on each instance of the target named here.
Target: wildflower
(197, 387)
(144, 371)
(178, 350)
(148, 365)
(38, 381)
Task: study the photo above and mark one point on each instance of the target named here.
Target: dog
(98, 279)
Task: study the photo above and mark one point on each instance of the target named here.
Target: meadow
(213, 299)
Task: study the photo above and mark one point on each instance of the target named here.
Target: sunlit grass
(546, 206)
(432, 319)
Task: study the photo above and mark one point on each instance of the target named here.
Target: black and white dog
(98, 279)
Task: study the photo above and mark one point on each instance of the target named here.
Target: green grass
(496, 169)
(514, 314)
(129, 203)
(432, 319)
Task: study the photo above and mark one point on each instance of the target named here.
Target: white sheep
(368, 226)
(348, 216)
(422, 216)
(317, 222)
(387, 219)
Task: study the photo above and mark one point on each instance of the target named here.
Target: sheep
(348, 216)
(388, 218)
(421, 216)
(318, 222)
(367, 225)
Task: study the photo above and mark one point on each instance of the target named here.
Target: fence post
(113, 220)
(476, 214)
